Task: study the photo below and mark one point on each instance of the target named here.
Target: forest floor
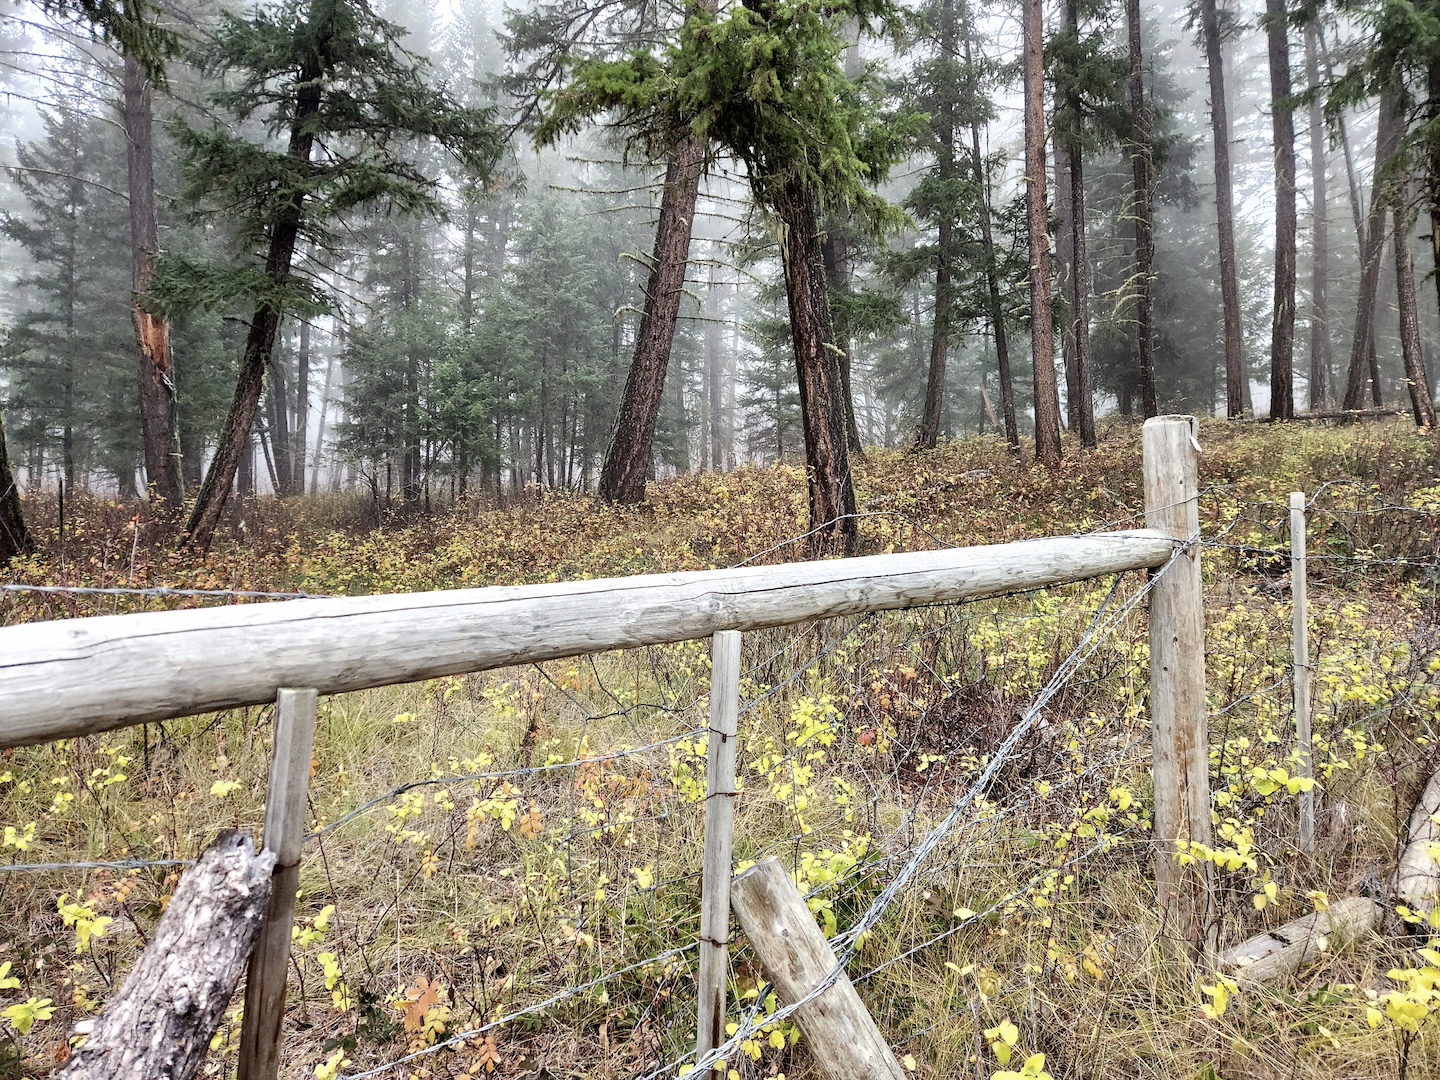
(514, 853)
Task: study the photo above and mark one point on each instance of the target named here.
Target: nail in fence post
(719, 834)
(284, 835)
(1300, 603)
(1180, 734)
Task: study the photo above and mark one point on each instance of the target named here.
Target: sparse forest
(372, 298)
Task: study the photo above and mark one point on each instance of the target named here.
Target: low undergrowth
(489, 842)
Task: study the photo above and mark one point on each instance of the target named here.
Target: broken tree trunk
(1280, 952)
(161, 1021)
(1417, 878)
(796, 957)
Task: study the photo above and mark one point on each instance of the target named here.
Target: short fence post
(838, 1029)
(284, 835)
(1299, 601)
(1180, 734)
(719, 834)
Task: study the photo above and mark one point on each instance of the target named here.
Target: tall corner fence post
(838, 1028)
(1180, 732)
(1299, 598)
(720, 798)
(285, 835)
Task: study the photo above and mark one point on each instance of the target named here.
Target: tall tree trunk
(1320, 235)
(152, 334)
(320, 430)
(14, 537)
(1141, 165)
(930, 418)
(832, 495)
(836, 255)
(1042, 325)
(629, 459)
(260, 341)
(277, 399)
(1416, 381)
(1282, 118)
(299, 437)
(1064, 268)
(1235, 378)
(1387, 138)
(981, 172)
(682, 442)
(1432, 166)
(1084, 410)
(714, 375)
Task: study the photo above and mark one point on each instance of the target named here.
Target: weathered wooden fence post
(1180, 734)
(284, 835)
(719, 834)
(1299, 600)
(780, 927)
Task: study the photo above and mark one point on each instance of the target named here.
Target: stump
(159, 1025)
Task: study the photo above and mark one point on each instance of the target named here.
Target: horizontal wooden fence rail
(68, 678)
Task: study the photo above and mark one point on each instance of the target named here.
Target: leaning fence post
(838, 1029)
(1300, 602)
(719, 834)
(284, 835)
(1180, 736)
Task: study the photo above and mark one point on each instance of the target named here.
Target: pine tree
(1282, 114)
(326, 71)
(14, 536)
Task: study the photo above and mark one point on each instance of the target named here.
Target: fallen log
(160, 1023)
(1285, 950)
(1417, 877)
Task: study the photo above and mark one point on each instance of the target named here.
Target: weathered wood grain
(720, 797)
(285, 836)
(1180, 739)
(1417, 877)
(838, 1029)
(1284, 951)
(158, 1026)
(80, 676)
(1300, 634)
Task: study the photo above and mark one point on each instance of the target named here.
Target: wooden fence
(70, 678)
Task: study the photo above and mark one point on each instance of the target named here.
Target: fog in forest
(453, 328)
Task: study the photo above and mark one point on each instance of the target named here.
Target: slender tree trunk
(1416, 381)
(944, 288)
(1432, 166)
(277, 399)
(152, 334)
(1064, 267)
(714, 375)
(320, 430)
(1282, 118)
(1235, 379)
(837, 272)
(14, 537)
(1141, 165)
(629, 459)
(1387, 138)
(1042, 324)
(1084, 410)
(1320, 236)
(832, 495)
(992, 286)
(300, 438)
(682, 441)
(260, 341)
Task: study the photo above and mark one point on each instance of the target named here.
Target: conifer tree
(326, 72)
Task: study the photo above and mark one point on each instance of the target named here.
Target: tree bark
(1224, 213)
(161, 1021)
(628, 461)
(837, 272)
(1042, 326)
(1387, 139)
(1432, 167)
(260, 341)
(1084, 410)
(714, 375)
(154, 373)
(300, 435)
(1320, 358)
(944, 122)
(1416, 381)
(1142, 166)
(832, 495)
(1282, 118)
(992, 283)
(1064, 268)
(14, 537)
